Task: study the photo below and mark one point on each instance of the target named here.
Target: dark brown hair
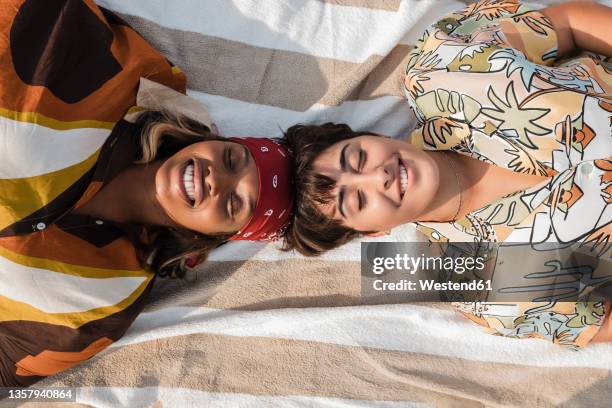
(311, 232)
(162, 135)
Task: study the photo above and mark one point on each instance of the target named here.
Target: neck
(467, 184)
(129, 198)
(456, 187)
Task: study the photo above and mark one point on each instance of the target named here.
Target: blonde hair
(162, 135)
(160, 128)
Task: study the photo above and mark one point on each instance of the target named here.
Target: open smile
(190, 183)
(405, 176)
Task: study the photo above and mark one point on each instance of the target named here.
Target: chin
(425, 197)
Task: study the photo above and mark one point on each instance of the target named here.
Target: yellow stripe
(42, 120)
(135, 109)
(21, 197)
(68, 269)
(176, 71)
(11, 310)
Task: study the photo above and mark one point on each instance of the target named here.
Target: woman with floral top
(513, 145)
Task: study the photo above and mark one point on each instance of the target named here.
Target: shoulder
(483, 27)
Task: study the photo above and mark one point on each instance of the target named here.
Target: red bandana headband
(275, 201)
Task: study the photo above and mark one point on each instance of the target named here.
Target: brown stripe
(257, 285)
(268, 366)
(284, 79)
(388, 5)
(132, 53)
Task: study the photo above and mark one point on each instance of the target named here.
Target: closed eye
(361, 202)
(362, 160)
(229, 159)
(235, 204)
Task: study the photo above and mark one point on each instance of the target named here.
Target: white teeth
(403, 179)
(188, 181)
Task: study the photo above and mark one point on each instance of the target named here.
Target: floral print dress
(486, 82)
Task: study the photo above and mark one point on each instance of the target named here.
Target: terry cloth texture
(257, 327)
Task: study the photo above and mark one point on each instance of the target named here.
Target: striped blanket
(258, 327)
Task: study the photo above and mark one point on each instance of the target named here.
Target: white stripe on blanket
(286, 24)
(386, 115)
(185, 397)
(323, 29)
(411, 328)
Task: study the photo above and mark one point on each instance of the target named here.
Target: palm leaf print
(606, 179)
(490, 9)
(515, 122)
(516, 61)
(523, 162)
(536, 21)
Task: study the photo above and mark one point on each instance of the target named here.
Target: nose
(211, 184)
(386, 176)
(217, 181)
(380, 177)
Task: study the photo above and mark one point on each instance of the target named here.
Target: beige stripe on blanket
(268, 366)
(280, 78)
(259, 285)
(240, 78)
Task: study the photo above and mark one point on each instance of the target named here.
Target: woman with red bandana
(100, 191)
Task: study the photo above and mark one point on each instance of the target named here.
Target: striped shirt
(70, 284)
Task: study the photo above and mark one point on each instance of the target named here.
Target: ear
(378, 234)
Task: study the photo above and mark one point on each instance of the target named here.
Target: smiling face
(210, 187)
(380, 182)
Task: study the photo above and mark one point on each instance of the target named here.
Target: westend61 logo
(420, 271)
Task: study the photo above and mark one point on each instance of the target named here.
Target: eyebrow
(252, 204)
(343, 159)
(342, 191)
(247, 155)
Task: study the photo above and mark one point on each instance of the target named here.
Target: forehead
(328, 161)
(214, 144)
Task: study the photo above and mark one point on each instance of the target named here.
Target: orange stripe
(61, 246)
(52, 362)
